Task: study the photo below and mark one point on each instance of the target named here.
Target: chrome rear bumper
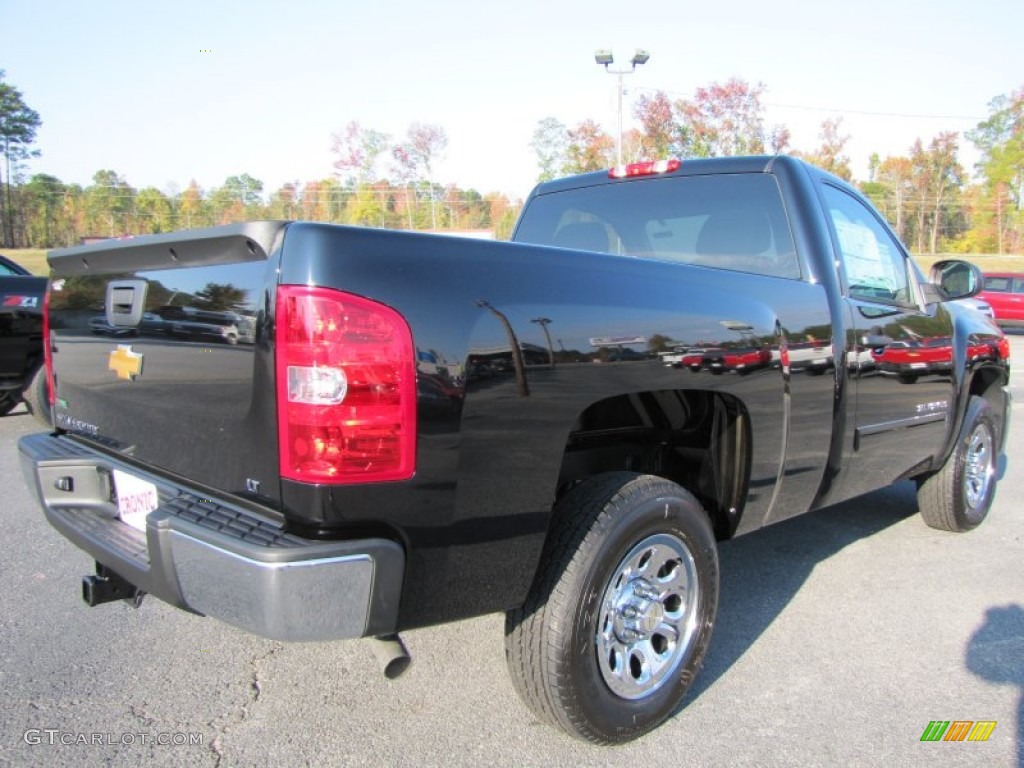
(217, 556)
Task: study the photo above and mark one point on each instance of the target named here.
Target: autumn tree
(721, 119)
(829, 154)
(220, 297)
(662, 134)
(725, 119)
(73, 208)
(192, 209)
(284, 203)
(154, 211)
(659, 342)
(425, 144)
(18, 126)
(322, 200)
(46, 221)
(109, 204)
(895, 174)
(1000, 142)
(357, 151)
(239, 199)
(563, 151)
(550, 142)
(502, 215)
(987, 211)
(589, 148)
(367, 207)
(937, 176)
(405, 172)
(328, 196)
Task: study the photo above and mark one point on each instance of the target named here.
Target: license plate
(918, 365)
(136, 498)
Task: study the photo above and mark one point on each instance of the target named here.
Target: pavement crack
(223, 724)
(140, 713)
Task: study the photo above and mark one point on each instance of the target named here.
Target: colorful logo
(126, 363)
(958, 730)
(22, 302)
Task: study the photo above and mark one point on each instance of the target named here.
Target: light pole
(605, 59)
(543, 322)
(513, 342)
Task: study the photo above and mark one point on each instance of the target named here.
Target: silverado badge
(125, 363)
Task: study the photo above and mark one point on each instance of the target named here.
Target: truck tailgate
(161, 353)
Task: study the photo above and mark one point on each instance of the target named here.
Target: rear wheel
(37, 397)
(615, 627)
(959, 495)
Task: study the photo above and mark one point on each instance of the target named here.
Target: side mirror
(956, 279)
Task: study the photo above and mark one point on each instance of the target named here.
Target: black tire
(959, 495)
(619, 617)
(37, 397)
(7, 402)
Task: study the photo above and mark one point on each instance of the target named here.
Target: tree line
(377, 180)
(47, 212)
(931, 200)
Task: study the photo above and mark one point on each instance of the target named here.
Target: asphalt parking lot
(841, 635)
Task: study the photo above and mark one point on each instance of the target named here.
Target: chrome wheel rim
(648, 616)
(979, 468)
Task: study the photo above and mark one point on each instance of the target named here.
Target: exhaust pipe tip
(392, 655)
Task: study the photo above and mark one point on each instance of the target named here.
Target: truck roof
(692, 167)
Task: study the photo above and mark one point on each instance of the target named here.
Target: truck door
(899, 351)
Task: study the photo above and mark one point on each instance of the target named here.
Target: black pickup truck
(429, 428)
(22, 375)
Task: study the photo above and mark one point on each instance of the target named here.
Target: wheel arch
(989, 382)
(699, 439)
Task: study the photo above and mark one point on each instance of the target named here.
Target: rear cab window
(734, 221)
(9, 268)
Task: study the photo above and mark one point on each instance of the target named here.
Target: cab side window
(872, 261)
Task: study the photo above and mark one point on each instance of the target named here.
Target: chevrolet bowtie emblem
(125, 363)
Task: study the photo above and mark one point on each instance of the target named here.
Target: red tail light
(346, 388)
(51, 386)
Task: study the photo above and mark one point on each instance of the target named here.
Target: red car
(913, 357)
(1004, 291)
(743, 360)
(693, 359)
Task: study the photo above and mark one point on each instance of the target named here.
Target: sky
(163, 93)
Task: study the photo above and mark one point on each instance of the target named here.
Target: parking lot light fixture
(605, 58)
